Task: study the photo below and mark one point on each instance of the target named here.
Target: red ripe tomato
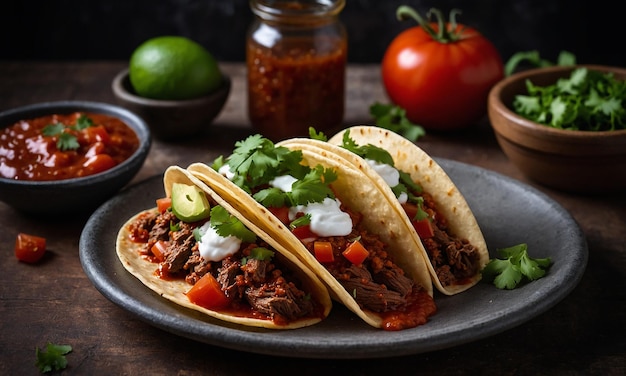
(441, 76)
(29, 248)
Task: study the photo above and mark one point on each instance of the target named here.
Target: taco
(432, 207)
(197, 251)
(335, 221)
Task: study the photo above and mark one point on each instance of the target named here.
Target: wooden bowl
(568, 160)
(172, 119)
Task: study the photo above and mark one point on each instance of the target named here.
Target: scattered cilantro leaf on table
(514, 267)
(53, 358)
(394, 118)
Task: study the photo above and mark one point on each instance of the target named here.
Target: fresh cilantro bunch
(256, 161)
(516, 265)
(53, 358)
(394, 118)
(588, 100)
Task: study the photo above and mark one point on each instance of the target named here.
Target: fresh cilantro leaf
(218, 163)
(516, 266)
(261, 253)
(405, 178)
(83, 122)
(174, 226)
(197, 234)
(258, 161)
(313, 134)
(300, 221)
(226, 225)
(272, 197)
(367, 151)
(67, 141)
(314, 187)
(53, 358)
(54, 129)
(394, 118)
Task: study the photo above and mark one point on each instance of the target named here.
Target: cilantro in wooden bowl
(564, 126)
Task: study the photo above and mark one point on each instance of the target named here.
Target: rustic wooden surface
(55, 301)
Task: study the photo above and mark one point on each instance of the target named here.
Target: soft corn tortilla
(423, 169)
(175, 290)
(358, 194)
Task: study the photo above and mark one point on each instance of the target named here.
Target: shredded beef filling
(453, 259)
(260, 284)
(377, 284)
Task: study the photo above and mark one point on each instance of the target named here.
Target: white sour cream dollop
(214, 247)
(283, 182)
(327, 219)
(390, 175)
(225, 171)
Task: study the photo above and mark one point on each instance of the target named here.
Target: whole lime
(173, 68)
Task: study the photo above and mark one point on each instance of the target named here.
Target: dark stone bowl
(76, 195)
(172, 119)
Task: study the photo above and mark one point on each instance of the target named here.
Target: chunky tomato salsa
(63, 146)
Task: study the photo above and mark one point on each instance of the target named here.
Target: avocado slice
(189, 203)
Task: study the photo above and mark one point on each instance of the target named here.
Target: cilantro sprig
(256, 161)
(587, 100)
(380, 155)
(394, 118)
(226, 225)
(52, 358)
(515, 267)
(65, 139)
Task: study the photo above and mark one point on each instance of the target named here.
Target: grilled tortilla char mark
(258, 284)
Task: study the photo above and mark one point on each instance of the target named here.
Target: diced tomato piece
(96, 134)
(163, 204)
(356, 253)
(158, 250)
(207, 293)
(424, 228)
(281, 213)
(98, 163)
(304, 232)
(29, 248)
(323, 251)
(410, 210)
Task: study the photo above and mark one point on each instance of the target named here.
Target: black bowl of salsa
(68, 157)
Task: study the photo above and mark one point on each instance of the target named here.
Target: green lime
(173, 68)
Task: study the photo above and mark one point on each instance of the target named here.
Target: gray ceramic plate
(508, 212)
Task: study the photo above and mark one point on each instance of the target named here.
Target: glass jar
(296, 54)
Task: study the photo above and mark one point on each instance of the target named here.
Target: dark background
(112, 29)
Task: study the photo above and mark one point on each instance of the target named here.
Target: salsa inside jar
(295, 86)
(64, 146)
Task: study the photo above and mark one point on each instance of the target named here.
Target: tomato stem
(444, 34)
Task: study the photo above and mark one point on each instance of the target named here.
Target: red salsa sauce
(64, 146)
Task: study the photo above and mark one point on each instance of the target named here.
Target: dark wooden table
(55, 302)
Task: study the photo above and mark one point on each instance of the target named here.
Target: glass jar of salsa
(296, 55)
